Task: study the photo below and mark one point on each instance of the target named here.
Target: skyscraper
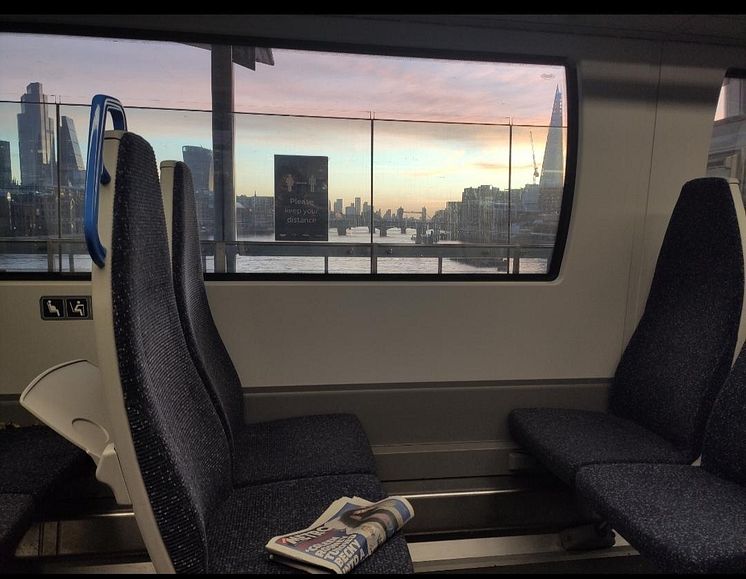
(339, 207)
(552, 178)
(199, 161)
(483, 215)
(552, 168)
(36, 139)
(358, 206)
(735, 96)
(6, 174)
(727, 157)
(72, 171)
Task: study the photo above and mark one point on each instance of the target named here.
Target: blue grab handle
(96, 172)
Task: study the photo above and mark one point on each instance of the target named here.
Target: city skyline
(36, 147)
(432, 174)
(426, 162)
(36, 126)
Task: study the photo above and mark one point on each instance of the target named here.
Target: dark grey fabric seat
(303, 446)
(237, 542)
(178, 438)
(36, 460)
(15, 518)
(685, 518)
(682, 517)
(328, 444)
(564, 439)
(677, 359)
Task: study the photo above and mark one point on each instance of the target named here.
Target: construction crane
(533, 154)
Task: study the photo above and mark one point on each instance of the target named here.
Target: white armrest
(69, 398)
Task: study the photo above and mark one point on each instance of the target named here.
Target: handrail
(100, 105)
(366, 118)
(516, 253)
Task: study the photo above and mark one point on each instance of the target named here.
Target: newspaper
(345, 534)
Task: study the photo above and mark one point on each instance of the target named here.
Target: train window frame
(571, 102)
(718, 164)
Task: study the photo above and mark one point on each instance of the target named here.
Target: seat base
(15, 518)
(36, 460)
(566, 439)
(251, 516)
(299, 447)
(681, 517)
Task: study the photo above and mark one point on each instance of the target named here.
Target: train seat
(678, 357)
(36, 462)
(237, 541)
(303, 446)
(684, 518)
(170, 442)
(565, 439)
(15, 519)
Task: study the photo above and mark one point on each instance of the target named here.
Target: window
(727, 157)
(337, 163)
(45, 91)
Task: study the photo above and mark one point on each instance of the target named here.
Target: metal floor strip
(427, 556)
(502, 551)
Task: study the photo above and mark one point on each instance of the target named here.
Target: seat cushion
(565, 439)
(15, 518)
(304, 446)
(36, 460)
(239, 530)
(683, 518)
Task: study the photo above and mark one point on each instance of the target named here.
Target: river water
(285, 264)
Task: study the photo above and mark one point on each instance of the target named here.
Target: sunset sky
(415, 163)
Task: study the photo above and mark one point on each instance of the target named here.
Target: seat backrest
(724, 446)
(210, 356)
(169, 440)
(682, 350)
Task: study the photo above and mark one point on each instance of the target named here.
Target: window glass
(727, 157)
(342, 163)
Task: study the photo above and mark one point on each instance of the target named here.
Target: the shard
(552, 178)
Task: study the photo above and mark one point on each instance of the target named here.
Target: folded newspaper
(345, 534)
